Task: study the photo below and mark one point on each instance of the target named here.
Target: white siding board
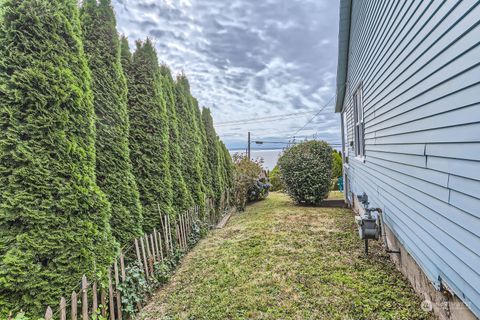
(449, 250)
(463, 133)
(443, 76)
(372, 35)
(463, 168)
(464, 115)
(464, 185)
(451, 43)
(417, 26)
(422, 259)
(440, 228)
(410, 18)
(459, 82)
(448, 263)
(436, 177)
(466, 203)
(418, 63)
(465, 151)
(411, 112)
(420, 201)
(413, 149)
(413, 160)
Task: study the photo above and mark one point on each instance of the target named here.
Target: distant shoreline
(270, 156)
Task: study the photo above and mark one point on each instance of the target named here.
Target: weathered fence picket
(74, 306)
(170, 233)
(111, 307)
(149, 255)
(139, 257)
(152, 245)
(159, 235)
(49, 314)
(94, 298)
(184, 231)
(122, 266)
(144, 257)
(148, 249)
(165, 234)
(103, 301)
(117, 291)
(84, 298)
(63, 309)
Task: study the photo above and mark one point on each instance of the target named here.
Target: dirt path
(279, 261)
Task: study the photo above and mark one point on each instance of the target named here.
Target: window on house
(359, 122)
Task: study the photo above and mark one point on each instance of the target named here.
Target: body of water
(270, 157)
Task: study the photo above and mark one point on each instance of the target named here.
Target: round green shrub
(306, 171)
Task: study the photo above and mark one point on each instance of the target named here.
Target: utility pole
(248, 148)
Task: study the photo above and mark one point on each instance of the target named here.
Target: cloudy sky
(248, 59)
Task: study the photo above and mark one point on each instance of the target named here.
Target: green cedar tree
(201, 131)
(228, 169)
(109, 86)
(189, 141)
(213, 153)
(149, 133)
(54, 219)
(182, 199)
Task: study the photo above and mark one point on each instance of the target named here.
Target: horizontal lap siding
(420, 68)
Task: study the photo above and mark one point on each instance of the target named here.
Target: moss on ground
(280, 261)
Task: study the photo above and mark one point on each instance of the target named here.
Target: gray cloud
(247, 58)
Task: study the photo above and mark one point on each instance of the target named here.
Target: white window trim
(358, 123)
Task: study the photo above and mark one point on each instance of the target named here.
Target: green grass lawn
(335, 195)
(280, 261)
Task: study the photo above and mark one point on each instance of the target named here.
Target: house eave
(343, 46)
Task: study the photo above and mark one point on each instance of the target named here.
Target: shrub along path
(280, 261)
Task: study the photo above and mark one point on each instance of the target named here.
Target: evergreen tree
(205, 167)
(189, 141)
(126, 60)
(54, 220)
(213, 154)
(182, 199)
(222, 175)
(109, 86)
(149, 132)
(228, 169)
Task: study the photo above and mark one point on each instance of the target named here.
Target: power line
(311, 119)
(279, 117)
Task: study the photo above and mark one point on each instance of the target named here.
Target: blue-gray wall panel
(418, 62)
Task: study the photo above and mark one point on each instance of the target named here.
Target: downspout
(345, 196)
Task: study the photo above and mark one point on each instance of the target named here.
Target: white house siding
(419, 62)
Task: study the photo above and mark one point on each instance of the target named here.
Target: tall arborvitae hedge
(214, 155)
(149, 133)
(227, 169)
(125, 60)
(109, 86)
(182, 199)
(54, 220)
(206, 170)
(189, 141)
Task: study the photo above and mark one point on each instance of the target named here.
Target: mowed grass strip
(281, 261)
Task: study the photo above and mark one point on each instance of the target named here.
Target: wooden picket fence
(148, 249)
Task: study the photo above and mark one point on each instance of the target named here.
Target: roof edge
(343, 47)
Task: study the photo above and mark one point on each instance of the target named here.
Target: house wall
(419, 62)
